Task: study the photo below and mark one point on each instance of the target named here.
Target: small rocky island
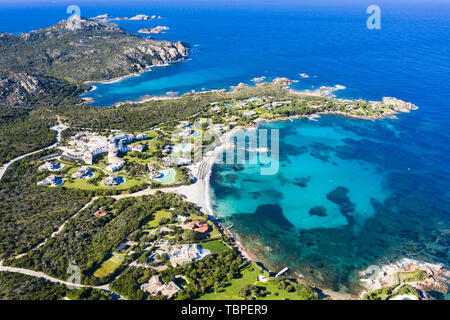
(155, 30)
(140, 17)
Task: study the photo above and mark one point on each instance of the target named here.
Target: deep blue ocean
(393, 174)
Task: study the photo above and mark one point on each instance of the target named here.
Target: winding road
(42, 275)
(202, 170)
(59, 128)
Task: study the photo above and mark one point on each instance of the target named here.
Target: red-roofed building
(198, 226)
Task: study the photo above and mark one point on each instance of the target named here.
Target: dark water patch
(250, 180)
(255, 195)
(321, 151)
(318, 211)
(232, 178)
(273, 195)
(339, 197)
(302, 182)
(273, 213)
(287, 150)
(283, 180)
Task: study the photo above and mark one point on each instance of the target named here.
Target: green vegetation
(15, 286)
(247, 286)
(89, 240)
(30, 213)
(215, 246)
(407, 290)
(109, 266)
(102, 51)
(417, 275)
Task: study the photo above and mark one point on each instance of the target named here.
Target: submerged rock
(302, 182)
(273, 213)
(339, 196)
(318, 211)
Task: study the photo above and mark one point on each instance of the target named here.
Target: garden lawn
(109, 266)
(250, 277)
(215, 246)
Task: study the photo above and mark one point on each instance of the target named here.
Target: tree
(190, 235)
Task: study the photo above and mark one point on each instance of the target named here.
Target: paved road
(58, 138)
(55, 280)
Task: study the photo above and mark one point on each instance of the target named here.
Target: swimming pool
(183, 148)
(168, 176)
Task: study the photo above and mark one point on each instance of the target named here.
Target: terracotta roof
(100, 213)
(198, 226)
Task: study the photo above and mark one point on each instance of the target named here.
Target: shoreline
(199, 193)
(122, 78)
(323, 92)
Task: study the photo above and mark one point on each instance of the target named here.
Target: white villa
(51, 166)
(83, 172)
(112, 180)
(186, 253)
(155, 287)
(51, 180)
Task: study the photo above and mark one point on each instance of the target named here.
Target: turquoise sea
(349, 192)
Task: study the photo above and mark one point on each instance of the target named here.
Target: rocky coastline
(155, 30)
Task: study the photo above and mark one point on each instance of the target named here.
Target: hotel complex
(113, 145)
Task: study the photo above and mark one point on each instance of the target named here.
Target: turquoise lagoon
(349, 193)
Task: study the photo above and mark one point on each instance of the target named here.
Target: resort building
(249, 113)
(83, 173)
(166, 161)
(137, 147)
(155, 287)
(181, 254)
(112, 180)
(218, 127)
(95, 145)
(151, 166)
(183, 124)
(51, 166)
(115, 163)
(201, 227)
(216, 109)
(185, 133)
(51, 180)
(167, 149)
(155, 175)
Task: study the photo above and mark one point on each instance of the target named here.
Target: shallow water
(372, 197)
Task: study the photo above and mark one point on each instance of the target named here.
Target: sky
(442, 5)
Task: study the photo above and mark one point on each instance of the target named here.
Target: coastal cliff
(85, 50)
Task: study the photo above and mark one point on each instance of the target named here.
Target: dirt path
(42, 275)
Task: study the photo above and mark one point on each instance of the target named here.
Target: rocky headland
(155, 30)
(85, 50)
